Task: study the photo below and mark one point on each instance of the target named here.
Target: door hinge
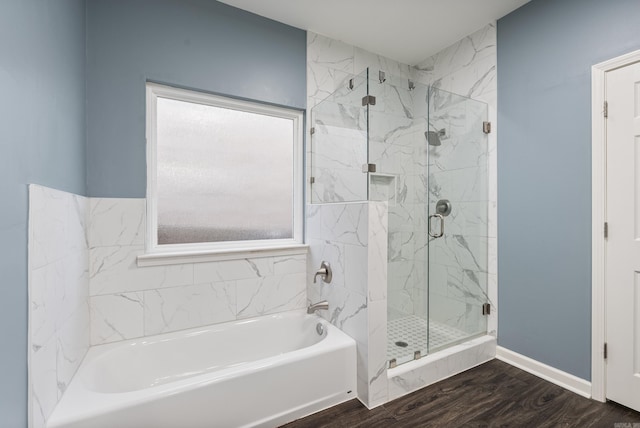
(369, 167)
(606, 109)
(486, 127)
(606, 352)
(312, 180)
(606, 229)
(486, 309)
(313, 131)
(369, 100)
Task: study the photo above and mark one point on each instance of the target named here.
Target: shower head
(433, 137)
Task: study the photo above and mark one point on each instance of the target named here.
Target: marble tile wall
(338, 156)
(85, 287)
(467, 68)
(352, 237)
(127, 301)
(397, 147)
(58, 296)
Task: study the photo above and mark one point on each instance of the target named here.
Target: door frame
(598, 217)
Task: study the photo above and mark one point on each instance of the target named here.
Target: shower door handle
(431, 233)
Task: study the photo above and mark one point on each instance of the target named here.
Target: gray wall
(200, 44)
(42, 51)
(545, 51)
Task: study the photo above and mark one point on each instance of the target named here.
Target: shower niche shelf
(383, 187)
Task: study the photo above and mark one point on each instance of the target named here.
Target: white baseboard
(551, 374)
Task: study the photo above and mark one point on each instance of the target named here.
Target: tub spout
(317, 306)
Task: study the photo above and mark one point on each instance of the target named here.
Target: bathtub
(260, 372)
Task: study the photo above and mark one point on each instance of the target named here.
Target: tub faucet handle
(324, 272)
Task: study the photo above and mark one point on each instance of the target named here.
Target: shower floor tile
(412, 330)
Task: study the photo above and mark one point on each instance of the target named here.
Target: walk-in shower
(423, 151)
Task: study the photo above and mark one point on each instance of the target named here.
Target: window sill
(202, 256)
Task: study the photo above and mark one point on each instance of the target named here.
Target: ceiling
(408, 31)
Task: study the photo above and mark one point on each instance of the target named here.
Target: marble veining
(128, 301)
(58, 296)
(179, 308)
(414, 176)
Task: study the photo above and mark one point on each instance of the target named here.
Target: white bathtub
(259, 372)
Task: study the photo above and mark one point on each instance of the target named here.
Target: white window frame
(206, 251)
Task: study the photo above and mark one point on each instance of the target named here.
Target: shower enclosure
(423, 151)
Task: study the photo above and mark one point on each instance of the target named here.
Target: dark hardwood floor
(494, 394)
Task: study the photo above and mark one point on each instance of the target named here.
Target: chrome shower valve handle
(324, 272)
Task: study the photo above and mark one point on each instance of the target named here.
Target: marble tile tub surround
(85, 287)
(58, 296)
(353, 239)
(128, 301)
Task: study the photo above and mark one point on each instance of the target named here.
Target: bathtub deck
(494, 394)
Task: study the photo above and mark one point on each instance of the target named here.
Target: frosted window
(222, 174)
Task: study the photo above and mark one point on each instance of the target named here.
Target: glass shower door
(397, 147)
(457, 223)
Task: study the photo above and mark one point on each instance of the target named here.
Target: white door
(623, 243)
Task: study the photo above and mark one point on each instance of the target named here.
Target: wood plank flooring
(494, 394)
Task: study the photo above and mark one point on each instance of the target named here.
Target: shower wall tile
(401, 300)
(364, 59)
(346, 223)
(58, 296)
(337, 174)
(466, 252)
(459, 171)
(467, 286)
(339, 153)
(356, 269)
(323, 80)
(329, 53)
(467, 51)
(377, 353)
(377, 251)
(468, 67)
